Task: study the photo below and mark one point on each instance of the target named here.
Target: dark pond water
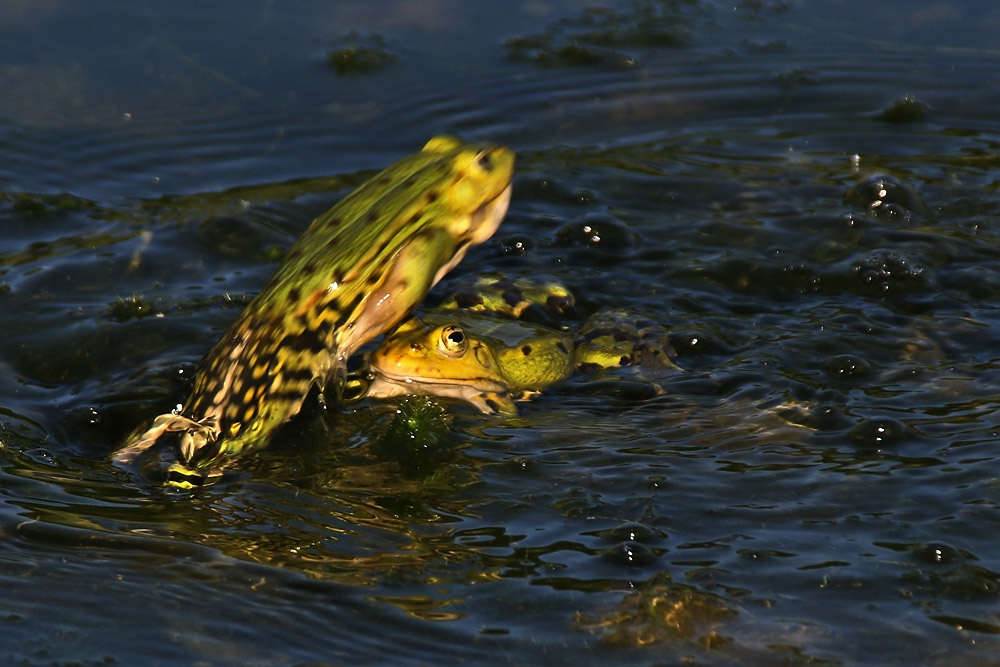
(804, 193)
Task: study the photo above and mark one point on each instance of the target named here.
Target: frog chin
(483, 222)
(386, 384)
(486, 219)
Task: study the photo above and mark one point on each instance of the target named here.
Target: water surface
(805, 194)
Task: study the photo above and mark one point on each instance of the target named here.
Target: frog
(357, 270)
(495, 360)
(512, 297)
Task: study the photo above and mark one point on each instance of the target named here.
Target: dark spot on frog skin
(282, 395)
(599, 332)
(526, 350)
(512, 297)
(314, 322)
(562, 348)
(468, 300)
(306, 341)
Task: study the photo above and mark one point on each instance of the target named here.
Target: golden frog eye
(356, 386)
(453, 341)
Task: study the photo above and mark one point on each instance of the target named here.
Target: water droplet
(878, 433)
(633, 554)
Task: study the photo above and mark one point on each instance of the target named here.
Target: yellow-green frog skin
(616, 338)
(514, 298)
(355, 272)
(487, 361)
(492, 362)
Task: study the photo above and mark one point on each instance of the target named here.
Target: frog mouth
(386, 383)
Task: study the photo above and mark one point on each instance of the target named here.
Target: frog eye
(453, 342)
(485, 161)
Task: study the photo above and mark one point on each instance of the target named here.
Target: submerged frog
(355, 272)
(492, 362)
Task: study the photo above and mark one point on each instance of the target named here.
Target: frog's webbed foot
(194, 432)
(194, 436)
(493, 402)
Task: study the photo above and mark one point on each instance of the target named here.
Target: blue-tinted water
(818, 486)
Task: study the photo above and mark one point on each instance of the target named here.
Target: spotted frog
(358, 270)
(461, 351)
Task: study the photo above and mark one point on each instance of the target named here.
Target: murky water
(804, 193)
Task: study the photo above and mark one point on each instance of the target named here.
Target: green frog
(358, 270)
(492, 362)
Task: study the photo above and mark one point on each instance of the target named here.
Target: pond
(805, 194)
